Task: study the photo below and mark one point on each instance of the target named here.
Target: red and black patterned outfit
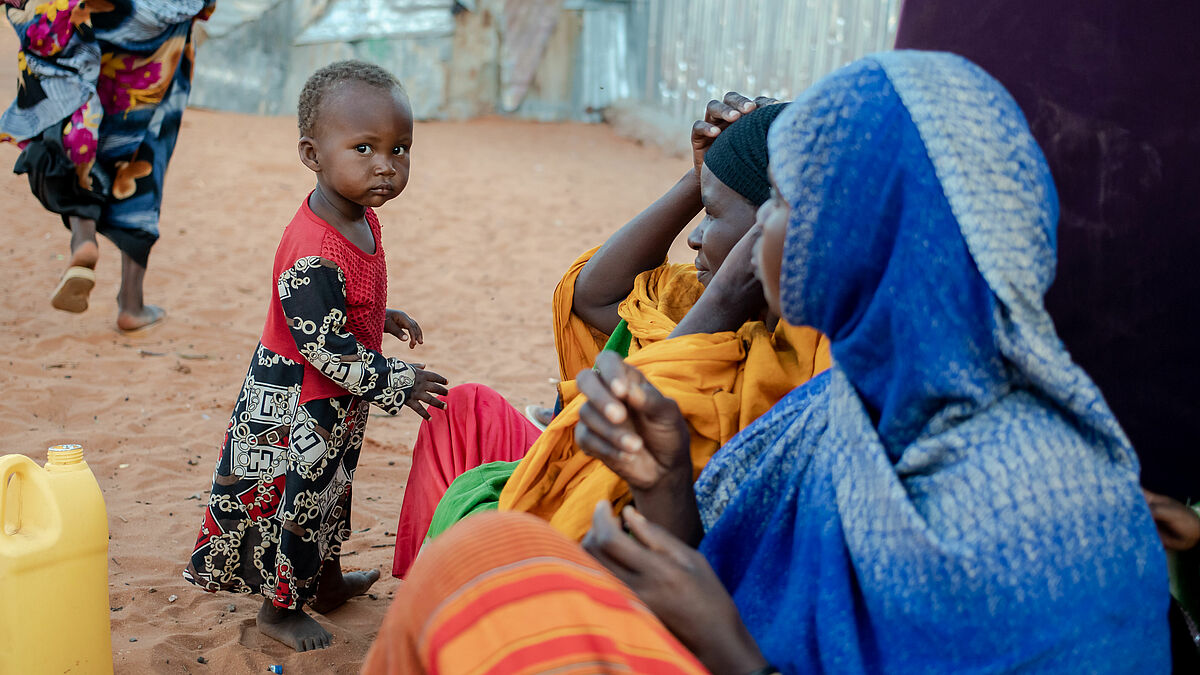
(280, 503)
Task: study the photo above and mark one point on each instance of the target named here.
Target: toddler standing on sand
(280, 504)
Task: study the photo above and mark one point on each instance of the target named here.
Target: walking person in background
(103, 86)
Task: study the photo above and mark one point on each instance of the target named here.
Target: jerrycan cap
(64, 455)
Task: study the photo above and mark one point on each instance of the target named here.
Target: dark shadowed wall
(1111, 90)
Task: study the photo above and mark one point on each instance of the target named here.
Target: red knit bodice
(366, 283)
(366, 291)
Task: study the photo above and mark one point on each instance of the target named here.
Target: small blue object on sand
(275, 669)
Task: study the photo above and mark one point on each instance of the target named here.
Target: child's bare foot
(148, 315)
(331, 596)
(335, 588)
(292, 627)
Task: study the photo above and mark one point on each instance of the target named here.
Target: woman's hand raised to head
(630, 426)
(733, 296)
(717, 116)
(678, 585)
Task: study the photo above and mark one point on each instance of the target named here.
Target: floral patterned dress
(103, 85)
(281, 492)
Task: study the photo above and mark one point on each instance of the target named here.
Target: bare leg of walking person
(132, 312)
(85, 252)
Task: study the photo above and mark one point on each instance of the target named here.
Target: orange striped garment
(504, 594)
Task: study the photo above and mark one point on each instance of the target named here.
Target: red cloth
(478, 426)
(366, 291)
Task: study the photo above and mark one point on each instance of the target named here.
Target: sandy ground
(493, 214)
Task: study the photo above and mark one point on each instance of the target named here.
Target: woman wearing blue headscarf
(954, 494)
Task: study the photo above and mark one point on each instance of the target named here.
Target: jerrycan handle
(11, 465)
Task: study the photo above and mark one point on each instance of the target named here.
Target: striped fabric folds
(504, 594)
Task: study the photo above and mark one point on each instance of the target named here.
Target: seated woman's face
(772, 217)
(728, 216)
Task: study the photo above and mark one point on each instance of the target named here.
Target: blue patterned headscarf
(953, 495)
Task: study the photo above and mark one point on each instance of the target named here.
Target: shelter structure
(537, 59)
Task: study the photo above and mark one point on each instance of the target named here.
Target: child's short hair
(326, 79)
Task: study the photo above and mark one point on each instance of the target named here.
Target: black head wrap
(738, 157)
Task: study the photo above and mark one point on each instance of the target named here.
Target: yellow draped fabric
(659, 299)
(721, 381)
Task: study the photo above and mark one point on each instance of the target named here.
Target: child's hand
(427, 386)
(717, 116)
(404, 327)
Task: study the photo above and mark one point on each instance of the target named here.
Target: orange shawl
(660, 298)
(721, 381)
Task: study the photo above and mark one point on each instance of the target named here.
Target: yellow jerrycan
(53, 567)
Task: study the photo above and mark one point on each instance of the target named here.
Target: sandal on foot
(536, 414)
(73, 289)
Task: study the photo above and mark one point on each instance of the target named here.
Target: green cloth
(620, 339)
(474, 491)
(478, 489)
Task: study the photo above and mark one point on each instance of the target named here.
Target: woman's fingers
(655, 537)
(647, 399)
(722, 113)
(764, 101)
(738, 102)
(603, 526)
(626, 576)
(610, 540)
(415, 329)
(619, 377)
(595, 445)
(630, 386)
(611, 439)
(703, 133)
(600, 394)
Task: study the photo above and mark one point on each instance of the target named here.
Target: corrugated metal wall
(257, 54)
(670, 56)
(696, 50)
